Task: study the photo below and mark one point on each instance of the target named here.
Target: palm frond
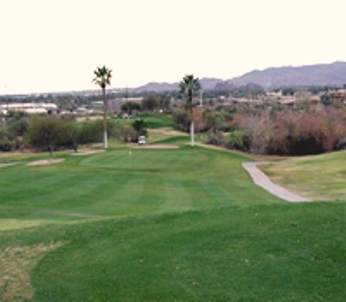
(189, 82)
(102, 76)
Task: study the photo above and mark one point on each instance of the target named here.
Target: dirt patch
(157, 146)
(12, 224)
(16, 264)
(87, 152)
(7, 164)
(45, 162)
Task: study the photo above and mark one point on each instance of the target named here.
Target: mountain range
(206, 83)
(274, 77)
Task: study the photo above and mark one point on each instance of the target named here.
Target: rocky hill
(155, 87)
(311, 75)
(206, 83)
(287, 76)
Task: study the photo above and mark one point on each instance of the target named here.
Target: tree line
(150, 103)
(53, 132)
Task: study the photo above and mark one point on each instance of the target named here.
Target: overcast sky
(49, 45)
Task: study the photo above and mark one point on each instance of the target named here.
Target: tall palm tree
(103, 78)
(190, 85)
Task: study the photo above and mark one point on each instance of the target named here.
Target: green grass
(115, 183)
(161, 135)
(181, 224)
(260, 253)
(321, 177)
(154, 121)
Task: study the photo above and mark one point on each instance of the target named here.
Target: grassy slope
(320, 177)
(196, 228)
(260, 253)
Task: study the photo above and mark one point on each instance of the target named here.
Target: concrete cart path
(263, 181)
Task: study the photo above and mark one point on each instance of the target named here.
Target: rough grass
(321, 177)
(16, 264)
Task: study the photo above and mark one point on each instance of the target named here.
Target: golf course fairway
(183, 224)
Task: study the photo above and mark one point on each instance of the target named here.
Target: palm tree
(190, 85)
(103, 78)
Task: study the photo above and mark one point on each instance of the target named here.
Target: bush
(341, 145)
(311, 132)
(125, 133)
(318, 130)
(140, 126)
(257, 127)
(47, 133)
(182, 119)
(216, 138)
(237, 140)
(130, 106)
(89, 132)
(204, 119)
(6, 143)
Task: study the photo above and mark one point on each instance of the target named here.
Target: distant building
(30, 108)
(315, 99)
(338, 96)
(83, 111)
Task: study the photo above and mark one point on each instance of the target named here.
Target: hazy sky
(49, 45)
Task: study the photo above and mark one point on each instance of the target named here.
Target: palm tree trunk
(105, 141)
(192, 124)
(192, 133)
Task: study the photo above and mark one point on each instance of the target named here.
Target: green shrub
(237, 140)
(6, 143)
(140, 126)
(216, 138)
(182, 119)
(341, 145)
(48, 133)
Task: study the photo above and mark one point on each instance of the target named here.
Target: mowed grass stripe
(176, 197)
(125, 181)
(235, 242)
(285, 252)
(119, 199)
(47, 192)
